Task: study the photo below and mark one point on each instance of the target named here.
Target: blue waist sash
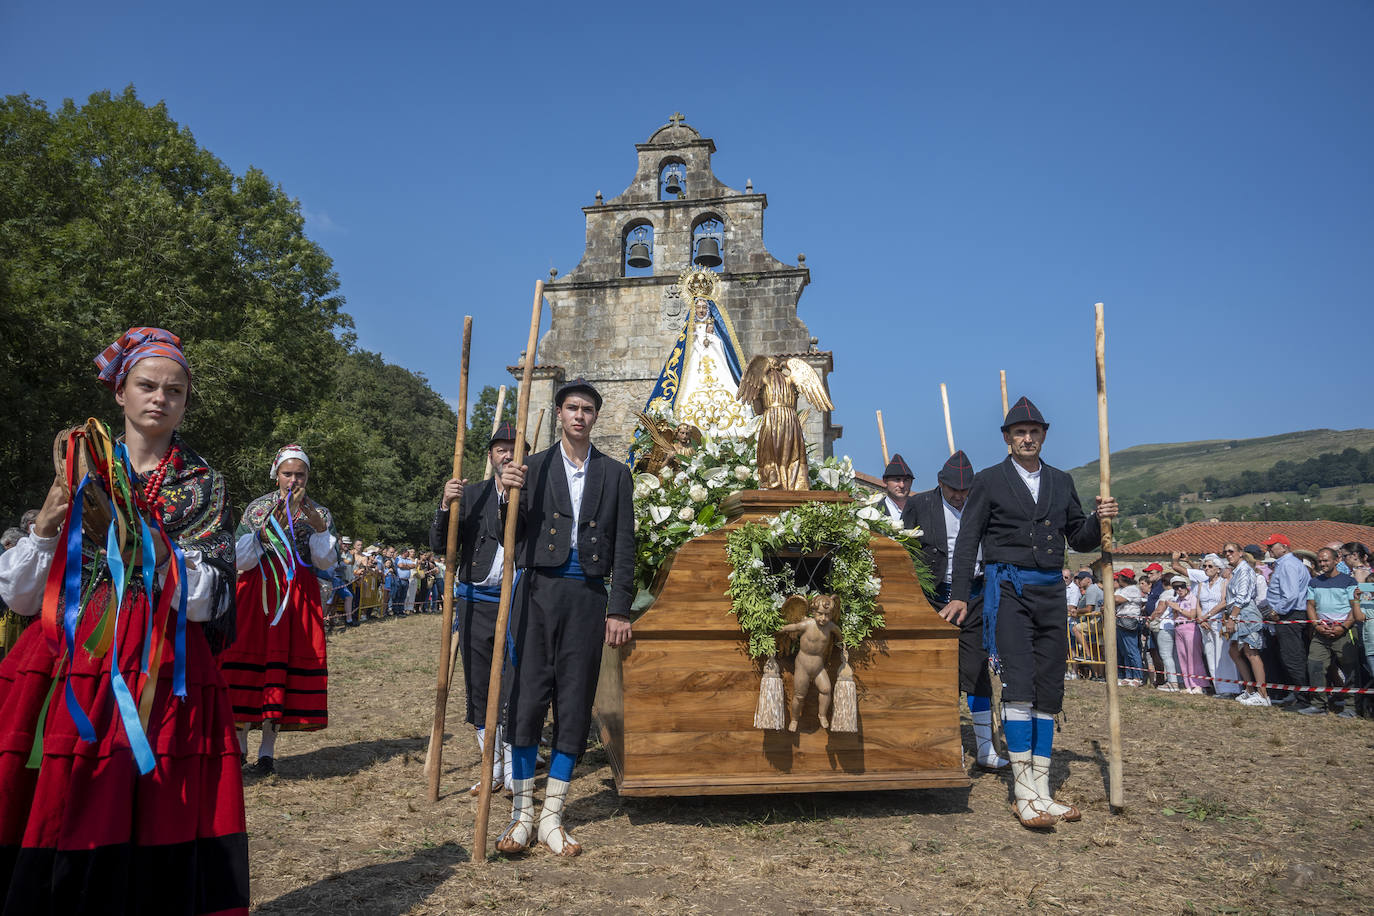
(492, 593)
(1019, 577)
(572, 569)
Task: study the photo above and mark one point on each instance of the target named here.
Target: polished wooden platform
(675, 707)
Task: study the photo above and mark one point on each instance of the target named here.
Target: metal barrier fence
(1085, 641)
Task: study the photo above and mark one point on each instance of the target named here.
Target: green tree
(112, 216)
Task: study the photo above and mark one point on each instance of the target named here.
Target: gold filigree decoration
(699, 283)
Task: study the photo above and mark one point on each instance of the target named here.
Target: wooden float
(675, 706)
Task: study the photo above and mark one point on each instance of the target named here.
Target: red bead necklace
(153, 488)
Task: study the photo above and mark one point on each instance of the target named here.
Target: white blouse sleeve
(247, 551)
(201, 582)
(322, 553)
(24, 572)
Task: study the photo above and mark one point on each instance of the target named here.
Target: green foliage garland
(757, 594)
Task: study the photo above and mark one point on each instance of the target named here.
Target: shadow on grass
(387, 889)
(799, 808)
(345, 759)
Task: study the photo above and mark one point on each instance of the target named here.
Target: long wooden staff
(949, 427)
(434, 759)
(1005, 408)
(1116, 793)
(495, 425)
(882, 438)
(498, 649)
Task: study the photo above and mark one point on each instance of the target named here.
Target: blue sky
(966, 180)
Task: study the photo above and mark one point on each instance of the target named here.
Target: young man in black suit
(939, 514)
(577, 528)
(1019, 513)
(478, 574)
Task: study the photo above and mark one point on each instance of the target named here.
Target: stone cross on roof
(677, 119)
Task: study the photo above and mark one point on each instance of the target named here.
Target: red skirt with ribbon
(84, 833)
(278, 673)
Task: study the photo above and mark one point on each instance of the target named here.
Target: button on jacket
(1012, 528)
(605, 521)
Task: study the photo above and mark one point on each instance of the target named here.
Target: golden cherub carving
(770, 386)
(672, 444)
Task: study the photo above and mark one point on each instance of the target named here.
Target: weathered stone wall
(615, 331)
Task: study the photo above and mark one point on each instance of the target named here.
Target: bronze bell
(674, 185)
(708, 253)
(639, 255)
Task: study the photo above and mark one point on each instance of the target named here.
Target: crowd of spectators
(1238, 620)
(378, 581)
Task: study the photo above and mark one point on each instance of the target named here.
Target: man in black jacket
(1019, 512)
(478, 575)
(577, 524)
(938, 513)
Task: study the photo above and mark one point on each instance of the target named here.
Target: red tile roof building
(1198, 538)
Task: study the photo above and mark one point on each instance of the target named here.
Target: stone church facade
(614, 324)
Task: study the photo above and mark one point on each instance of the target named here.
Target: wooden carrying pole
(949, 427)
(495, 425)
(1116, 794)
(1005, 407)
(498, 649)
(882, 438)
(434, 759)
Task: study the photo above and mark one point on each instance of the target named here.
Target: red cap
(1154, 567)
(1278, 539)
(1126, 571)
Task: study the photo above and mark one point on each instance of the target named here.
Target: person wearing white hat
(276, 668)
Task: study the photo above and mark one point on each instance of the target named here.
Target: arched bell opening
(637, 250)
(708, 243)
(672, 180)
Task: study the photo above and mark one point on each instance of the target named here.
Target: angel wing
(657, 430)
(653, 460)
(808, 383)
(752, 381)
(795, 608)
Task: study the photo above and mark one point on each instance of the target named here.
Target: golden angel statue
(770, 386)
(671, 444)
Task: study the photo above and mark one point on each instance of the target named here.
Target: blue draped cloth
(1019, 577)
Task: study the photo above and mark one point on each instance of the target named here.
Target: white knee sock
(551, 831)
(519, 833)
(982, 733)
(243, 739)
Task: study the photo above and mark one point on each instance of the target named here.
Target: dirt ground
(1228, 810)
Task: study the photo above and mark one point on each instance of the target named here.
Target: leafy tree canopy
(112, 216)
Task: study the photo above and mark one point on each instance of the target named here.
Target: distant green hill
(1166, 467)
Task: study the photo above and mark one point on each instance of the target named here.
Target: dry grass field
(1229, 810)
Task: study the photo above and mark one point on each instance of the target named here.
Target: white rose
(697, 530)
(741, 472)
(659, 514)
(686, 513)
(697, 492)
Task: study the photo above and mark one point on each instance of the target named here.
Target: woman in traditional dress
(120, 788)
(276, 669)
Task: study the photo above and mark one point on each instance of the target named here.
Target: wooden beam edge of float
(838, 782)
(937, 628)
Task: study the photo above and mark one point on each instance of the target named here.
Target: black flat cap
(897, 467)
(504, 433)
(956, 472)
(578, 385)
(1023, 411)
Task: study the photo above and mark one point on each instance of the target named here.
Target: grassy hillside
(1150, 468)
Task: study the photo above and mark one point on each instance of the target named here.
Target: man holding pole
(478, 575)
(939, 514)
(576, 520)
(1020, 512)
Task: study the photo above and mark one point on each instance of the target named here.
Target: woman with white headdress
(276, 669)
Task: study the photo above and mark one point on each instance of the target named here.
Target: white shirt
(1030, 478)
(952, 519)
(577, 482)
(893, 512)
(1073, 595)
